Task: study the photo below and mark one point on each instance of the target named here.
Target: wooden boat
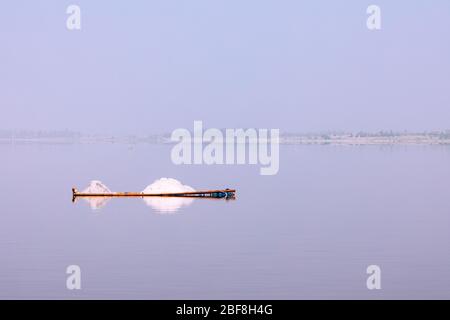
(225, 193)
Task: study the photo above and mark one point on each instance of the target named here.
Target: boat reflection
(162, 205)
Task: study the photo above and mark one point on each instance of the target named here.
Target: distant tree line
(68, 134)
(39, 134)
(383, 133)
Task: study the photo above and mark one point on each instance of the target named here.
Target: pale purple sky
(152, 66)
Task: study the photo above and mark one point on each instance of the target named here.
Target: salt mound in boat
(96, 187)
(167, 185)
(167, 205)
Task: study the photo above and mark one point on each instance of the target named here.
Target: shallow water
(308, 232)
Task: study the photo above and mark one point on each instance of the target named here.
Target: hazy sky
(153, 66)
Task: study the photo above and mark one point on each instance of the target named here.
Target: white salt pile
(167, 185)
(96, 187)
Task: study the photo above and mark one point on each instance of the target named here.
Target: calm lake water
(308, 232)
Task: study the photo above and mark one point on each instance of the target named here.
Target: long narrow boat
(225, 193)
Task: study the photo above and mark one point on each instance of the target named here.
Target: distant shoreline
(373, 140)
(346, 140)
(437, 137)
